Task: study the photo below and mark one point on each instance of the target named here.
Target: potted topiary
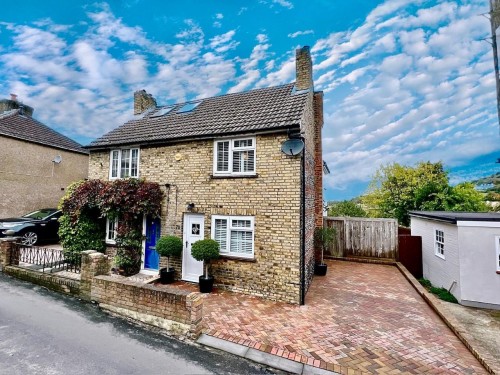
(323, 239)
(205, 250)
(167, 246)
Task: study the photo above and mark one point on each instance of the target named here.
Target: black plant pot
(206, 284)
(167, 276)
(320, 269)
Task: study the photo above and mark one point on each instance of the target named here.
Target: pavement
(360, 318)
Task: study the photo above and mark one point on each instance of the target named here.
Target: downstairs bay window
(235, 235)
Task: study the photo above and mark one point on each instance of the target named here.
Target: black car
(35, 227)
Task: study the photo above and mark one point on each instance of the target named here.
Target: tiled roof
(15, 125)
(250, 111)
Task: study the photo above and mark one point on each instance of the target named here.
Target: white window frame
(119, 169)
(112, 240)
(497, 261)
(439, 250)
(233, 149)
(227, 252)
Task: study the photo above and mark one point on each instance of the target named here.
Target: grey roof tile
(15, 125)
(250, 111)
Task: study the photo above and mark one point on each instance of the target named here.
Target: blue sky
(404, 80)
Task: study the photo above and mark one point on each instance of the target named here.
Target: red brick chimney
(303, 67)
(143, 101)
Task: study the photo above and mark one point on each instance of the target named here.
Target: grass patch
(441, 293)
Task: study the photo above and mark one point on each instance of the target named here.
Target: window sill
(240, 259)
(228, 176)
(440, 256)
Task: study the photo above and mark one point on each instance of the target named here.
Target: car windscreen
(39, 215)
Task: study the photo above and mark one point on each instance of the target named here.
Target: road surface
(42, 332)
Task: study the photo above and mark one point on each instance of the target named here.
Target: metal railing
(46, 260)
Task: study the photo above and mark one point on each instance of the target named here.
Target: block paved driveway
(364, 317)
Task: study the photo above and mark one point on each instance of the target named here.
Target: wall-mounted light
(190, 206)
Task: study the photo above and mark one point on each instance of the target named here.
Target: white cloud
(300, 33)
(283, 3)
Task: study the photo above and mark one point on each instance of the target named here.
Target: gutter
(204, 137)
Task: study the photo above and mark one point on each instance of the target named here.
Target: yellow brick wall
(273, 198)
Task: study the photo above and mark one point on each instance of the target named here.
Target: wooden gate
(410, 254)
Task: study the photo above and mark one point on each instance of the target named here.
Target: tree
(346, 208)
(396, 189)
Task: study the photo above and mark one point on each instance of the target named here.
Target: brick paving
(359, 318)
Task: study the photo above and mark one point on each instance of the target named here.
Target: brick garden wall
(177, 311)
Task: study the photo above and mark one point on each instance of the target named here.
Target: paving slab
(360, 317)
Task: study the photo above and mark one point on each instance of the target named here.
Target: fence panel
(363, 237)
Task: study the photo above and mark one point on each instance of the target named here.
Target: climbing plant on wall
(86, 206)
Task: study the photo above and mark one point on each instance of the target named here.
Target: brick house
(37, 162)
(225, 177)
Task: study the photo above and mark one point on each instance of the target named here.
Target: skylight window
(188, 107)
(162, 112)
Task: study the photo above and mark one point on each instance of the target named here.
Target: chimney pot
(303, 66)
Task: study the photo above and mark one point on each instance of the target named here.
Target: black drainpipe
(303, 227)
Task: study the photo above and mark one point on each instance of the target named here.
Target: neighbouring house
(461, 253)
(221, 164)
(37, 162)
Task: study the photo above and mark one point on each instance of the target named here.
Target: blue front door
(151, 257)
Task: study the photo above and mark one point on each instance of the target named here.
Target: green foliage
(425, 283)
(323, 239)
(205, 250)
(346, 208)
(441, 293)
(87, 233)
(169, 246)
(87, 203)
(396, 189)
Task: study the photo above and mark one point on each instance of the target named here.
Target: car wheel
(29, 238)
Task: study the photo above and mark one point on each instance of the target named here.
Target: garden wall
(177, 311)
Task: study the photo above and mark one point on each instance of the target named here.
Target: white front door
(193, 231)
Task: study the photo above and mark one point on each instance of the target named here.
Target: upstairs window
(235, 235)
(234, 156)
(124, 163)
(439, 243)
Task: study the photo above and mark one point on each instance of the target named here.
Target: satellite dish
(292, 147)
(57, 159)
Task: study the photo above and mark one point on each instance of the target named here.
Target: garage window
(439, 243)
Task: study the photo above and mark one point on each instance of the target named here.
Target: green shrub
(87, 233)
(205, 250)
(425, 283)
(443, 294)
(169, 246)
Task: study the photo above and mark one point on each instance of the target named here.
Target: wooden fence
(362, 237)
